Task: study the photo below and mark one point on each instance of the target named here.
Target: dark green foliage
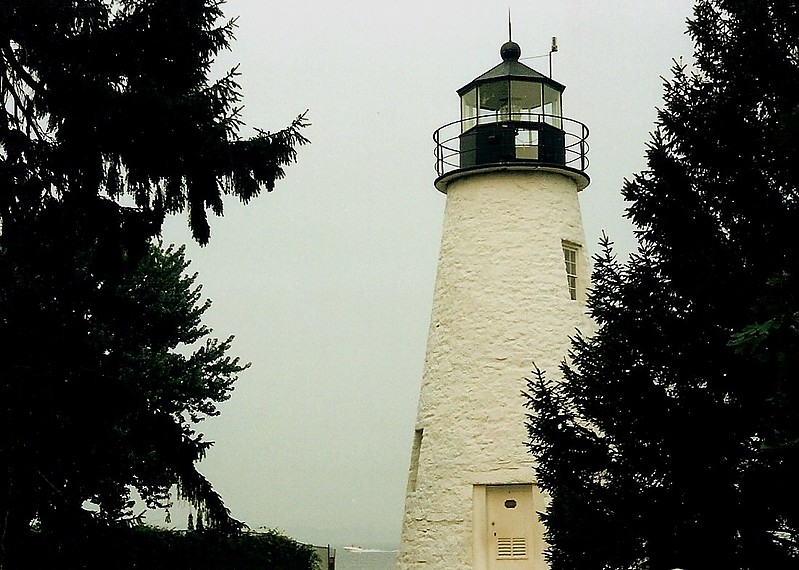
(105, 375)
(109, 122)
(113, 98)
(143, 547)
(672, 439)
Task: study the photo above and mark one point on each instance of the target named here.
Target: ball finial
(510, 51)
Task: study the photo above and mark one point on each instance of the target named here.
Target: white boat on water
(353, 548)
(361, 550)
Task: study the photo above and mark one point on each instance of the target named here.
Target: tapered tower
(510, 290)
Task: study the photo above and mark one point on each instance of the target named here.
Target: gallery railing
(535, 139)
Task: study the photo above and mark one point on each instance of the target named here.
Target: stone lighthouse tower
(510, 290)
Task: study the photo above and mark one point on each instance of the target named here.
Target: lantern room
(512, 114)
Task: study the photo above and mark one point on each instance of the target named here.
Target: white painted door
(512, 523)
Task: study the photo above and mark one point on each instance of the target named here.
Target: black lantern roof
(512, 68)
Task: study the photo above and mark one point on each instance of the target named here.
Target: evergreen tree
(113, 97)
(104, 381)
(110, 121)
(671, 441)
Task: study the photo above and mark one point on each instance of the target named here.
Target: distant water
(346, 560)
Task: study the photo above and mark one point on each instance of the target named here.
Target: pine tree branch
(14, 66)
(19, 69)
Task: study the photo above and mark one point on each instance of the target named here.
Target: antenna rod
(552, 50)
(510, 36)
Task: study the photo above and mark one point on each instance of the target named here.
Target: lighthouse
(510, 290)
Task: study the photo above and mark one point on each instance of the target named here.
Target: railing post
(583, 150)
(437, 152)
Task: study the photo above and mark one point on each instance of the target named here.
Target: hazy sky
(327, 282)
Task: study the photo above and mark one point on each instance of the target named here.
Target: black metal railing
(519, 139)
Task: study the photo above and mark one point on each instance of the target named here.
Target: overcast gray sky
(327, 282)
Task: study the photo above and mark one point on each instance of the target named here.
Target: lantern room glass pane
(526, 143)
(469, 109)
(525, 100)
(552, 108)
(493, 98)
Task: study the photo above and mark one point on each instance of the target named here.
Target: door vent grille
(511, 547)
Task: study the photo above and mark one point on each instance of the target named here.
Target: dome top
(511, 68)
(510, 51)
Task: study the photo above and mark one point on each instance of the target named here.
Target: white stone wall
(501, 301)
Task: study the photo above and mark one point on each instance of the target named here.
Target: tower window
(414, 470)
(570, 256)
